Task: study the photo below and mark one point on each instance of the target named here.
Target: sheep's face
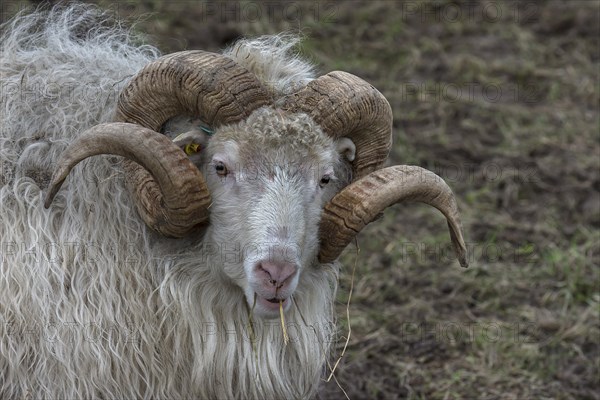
(269, 177)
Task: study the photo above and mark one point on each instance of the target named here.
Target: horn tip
(48, 201)
(461, 253)
(52, 190)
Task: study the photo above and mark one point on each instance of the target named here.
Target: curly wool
(273, 60)
(93, 304)
(293, 134)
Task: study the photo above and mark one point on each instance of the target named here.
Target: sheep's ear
(346, 148)
(191, 138)
(187, 133)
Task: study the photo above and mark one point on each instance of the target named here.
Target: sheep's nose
(277, 274)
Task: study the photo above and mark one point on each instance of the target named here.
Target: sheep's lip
(272, 303)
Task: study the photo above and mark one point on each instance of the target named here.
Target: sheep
(155, 273)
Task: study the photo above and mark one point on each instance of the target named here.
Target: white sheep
(165, 277)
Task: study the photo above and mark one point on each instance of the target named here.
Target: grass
(520, 147)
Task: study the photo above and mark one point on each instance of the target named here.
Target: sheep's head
(267, 165)
(269, 176)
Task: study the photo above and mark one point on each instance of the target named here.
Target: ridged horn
(346, 106)
(205, 85)
(174, 173)
(359, 203)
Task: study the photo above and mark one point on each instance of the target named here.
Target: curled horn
(170, 195)
(360, 202)
(347, 106)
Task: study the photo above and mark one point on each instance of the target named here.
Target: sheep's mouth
(275, 301)
(271, 305)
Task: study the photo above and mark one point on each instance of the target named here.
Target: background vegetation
(501, 98)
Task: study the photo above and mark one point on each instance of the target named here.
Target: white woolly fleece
(92, 304)
(273, 60)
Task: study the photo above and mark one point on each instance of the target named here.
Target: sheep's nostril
(277, 274)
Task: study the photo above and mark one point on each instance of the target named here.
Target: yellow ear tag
(192, 148)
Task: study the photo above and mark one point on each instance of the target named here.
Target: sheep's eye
(324, 180)
(221, 169)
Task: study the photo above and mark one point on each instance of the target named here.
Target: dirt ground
(500, 98)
